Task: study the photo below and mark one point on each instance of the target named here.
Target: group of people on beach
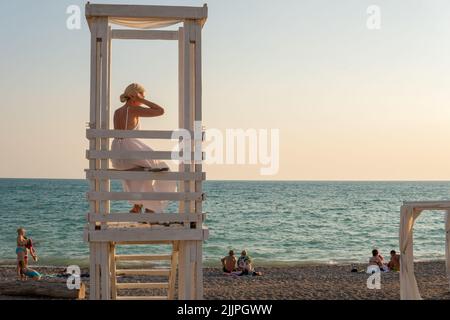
(239, 267)
(377, 260)
(25, 245)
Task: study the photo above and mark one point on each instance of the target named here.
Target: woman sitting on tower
(127, 118)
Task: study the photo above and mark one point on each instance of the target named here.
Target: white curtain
(408, 283)
(447, 245)
(144, 23)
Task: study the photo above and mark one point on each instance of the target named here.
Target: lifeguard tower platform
(106, 230)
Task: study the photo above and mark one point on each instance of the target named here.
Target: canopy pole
(94, 145)
(197, 147)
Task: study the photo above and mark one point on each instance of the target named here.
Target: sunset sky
(350, 103)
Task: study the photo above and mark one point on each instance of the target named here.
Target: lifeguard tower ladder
(105, 230)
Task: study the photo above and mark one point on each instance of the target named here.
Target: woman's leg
(19, 273)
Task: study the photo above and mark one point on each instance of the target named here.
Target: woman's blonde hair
(132, 89)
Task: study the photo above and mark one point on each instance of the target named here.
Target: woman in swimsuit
(21, 250)
(127, 118)
(23, 245)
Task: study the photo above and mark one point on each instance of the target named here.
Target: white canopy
(144, 23)
(409, 214)
(144, 16)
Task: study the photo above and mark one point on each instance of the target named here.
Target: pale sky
(350, 103)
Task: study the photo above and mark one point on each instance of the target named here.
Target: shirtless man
(394, 264)
(229, 262)
(376, 259)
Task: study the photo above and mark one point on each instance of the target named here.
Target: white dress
(133, 144)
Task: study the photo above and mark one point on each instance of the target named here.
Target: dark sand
(297, 282)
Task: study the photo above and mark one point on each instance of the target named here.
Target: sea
(277, 222)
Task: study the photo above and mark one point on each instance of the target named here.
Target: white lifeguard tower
(106, 230)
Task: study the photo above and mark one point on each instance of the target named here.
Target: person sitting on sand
(26, 272)
(377, 260)
(242, 260)
(229, 262)
(394, 263)
(249, 270)
(245, 265)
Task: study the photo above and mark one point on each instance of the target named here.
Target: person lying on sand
(229, 262)
(394, 263)
(26, 272)
(377, 260)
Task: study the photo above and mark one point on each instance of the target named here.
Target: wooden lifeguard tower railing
(105, 230)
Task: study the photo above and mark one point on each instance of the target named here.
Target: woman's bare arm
(153, 109)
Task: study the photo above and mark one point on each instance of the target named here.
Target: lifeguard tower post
(105, 230)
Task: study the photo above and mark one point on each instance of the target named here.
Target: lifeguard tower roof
(146, 16)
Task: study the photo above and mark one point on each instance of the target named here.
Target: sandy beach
(302, 282)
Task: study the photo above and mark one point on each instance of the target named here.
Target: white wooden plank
(137, 134)
(92, 271)
(145, 34)
(199, 271)
(137, 257)
(205, 233)
(173, 273)
(143, 217)
(428, 205)
(134, 235)
(187, 100)
(147, 242)
(136, 155)
(112, 257)
(189, 114)
(105, 272)
(182, 261)
(198, 73)
(193, 262)
(181, 108)
(92, 195)
(142, 285)
(145, 11)
(141, 298)
(144, 175)
(94, 292)
(188, 270)
(104, 122)
(143, 272)
(98, 259)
